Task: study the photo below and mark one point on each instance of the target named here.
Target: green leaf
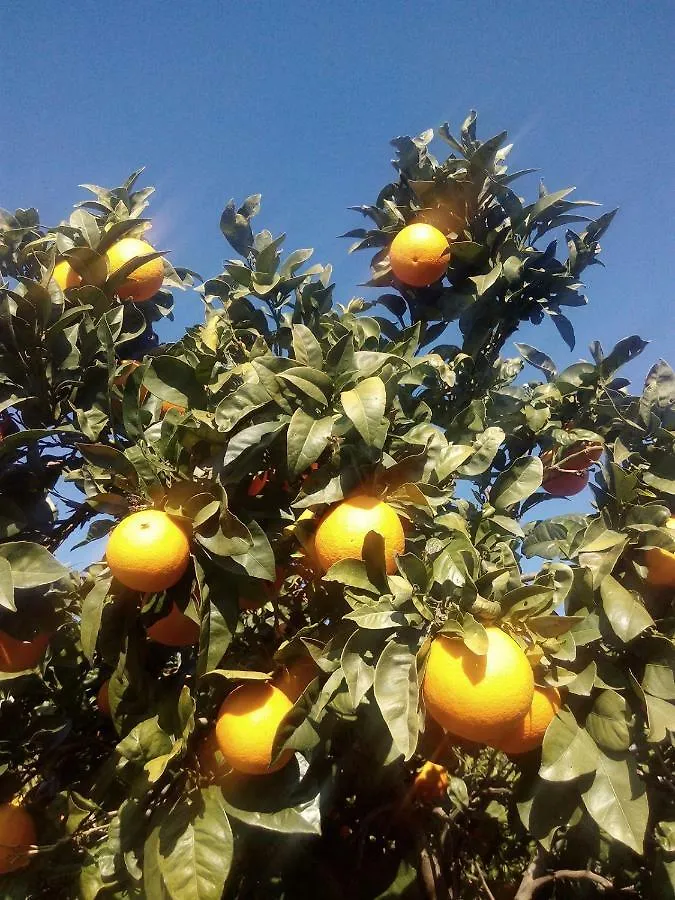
(617, 800)
(92, 611)
(258, 560)
(626, 614)
(661, 717)
(547, 807)
(475, 635)
(32, 565)
(568, 751)
(485, 449)
(306, 440)
(306, 348)
(359, 674)
(403, 885)
(254, 438)
(365, 405)
(175, 381)
(397, 692)
(6, 585)
(196, 847)
(607, 722)
(518, 482)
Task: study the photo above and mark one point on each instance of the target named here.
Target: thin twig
(487, 890)
(532, 880)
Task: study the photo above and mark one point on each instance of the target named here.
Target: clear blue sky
(298, 101)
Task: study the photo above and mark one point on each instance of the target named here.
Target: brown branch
(487, 890)
(533, 880)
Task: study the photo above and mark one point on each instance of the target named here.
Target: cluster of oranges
(140, 284)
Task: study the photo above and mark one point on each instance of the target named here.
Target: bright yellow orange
(175, 630)
(103, 700)
(66, 276)
(296, 677)
(343, 529)
(148, 551)
(17, 655)
(529, 731)
(661, 563)
(142, 283)
(431, 782)
(17, 834)
(419, 255)
(478, 697)
(247, 723)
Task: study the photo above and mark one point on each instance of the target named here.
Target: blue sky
(299, 100)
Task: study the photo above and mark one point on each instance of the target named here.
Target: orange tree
(223, 708)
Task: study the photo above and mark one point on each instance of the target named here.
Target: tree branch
(533, 880)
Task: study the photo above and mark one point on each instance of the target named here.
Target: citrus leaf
(365, 405)
(567, 751)
(6, 585)
(626, 614)
(607, 722)
(306, 348)
(32, 565)
(617, 800)
(397, 692)
(196, 847)
(517, 483)
(306, 440)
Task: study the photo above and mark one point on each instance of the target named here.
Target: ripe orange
(477, 697)
(582, 455)
(148, 551)
(103, 700)
(17, 655)
(561, 480)
(419, 255)
(247, 723)
(296, 677)
(65, 275)
(175, 630)
(258, 483)
(431, 782)
(529, 731)
(17, 833)
(343, 529)
(661, 563)
(167, 405)
(142, 283)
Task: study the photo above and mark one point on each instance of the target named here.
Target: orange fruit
(103, 700)
(130, 366)
(148, 551)
(477, 697)
(258, 483)
(296, 677)
(167, 405)
(529, 731)
(419, 255)
(175, 630)
(559, 480)
(343, 529)
(17, 833)
(247, 724)
(17, 655)
(141, 283)
(65, 275)
(431, 782)
(661, 563)
(582, 455)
